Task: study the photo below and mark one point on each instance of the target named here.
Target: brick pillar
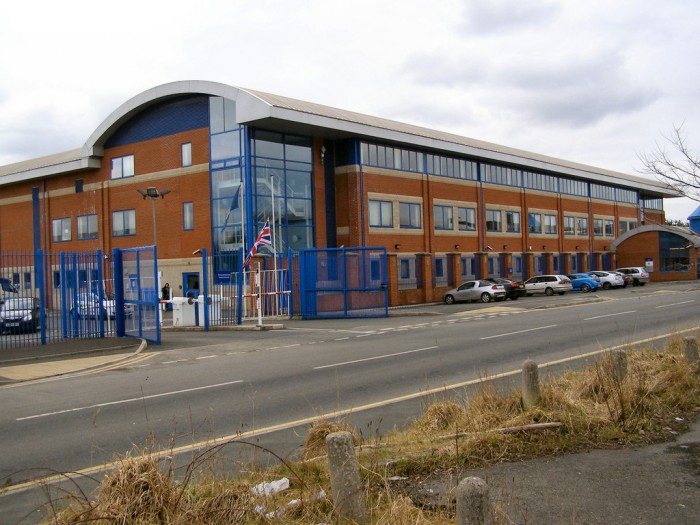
(426, 262)
(482, 263)
(529, 263)
(549, 262)
(507, 259)
(392, 273)
(456, 277)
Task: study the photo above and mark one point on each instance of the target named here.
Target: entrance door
(190, 284)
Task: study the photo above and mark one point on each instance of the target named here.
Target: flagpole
(274, 240)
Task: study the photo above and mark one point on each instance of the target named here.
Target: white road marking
(518, 332)
(176, 361)
(375, 357)
(674, 304)
(207, 357)
(132, 400)
(610, 315)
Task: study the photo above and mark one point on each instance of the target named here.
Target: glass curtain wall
(227, 163)
(281, 167)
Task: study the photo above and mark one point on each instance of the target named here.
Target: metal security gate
(137, 302)
(343, 283)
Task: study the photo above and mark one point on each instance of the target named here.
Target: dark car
(514, 289)
(20, 314)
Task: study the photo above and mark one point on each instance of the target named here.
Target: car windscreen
(18, 304)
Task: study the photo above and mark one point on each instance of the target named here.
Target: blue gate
(343, 282)
(136, 293)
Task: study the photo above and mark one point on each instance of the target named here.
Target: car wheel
(499, 299)
(514, 297)
(561, 293)
(449, 299)
(549, 291)
(635, 282)
(607, 286)
(585, 288)
(485, 297)
(641, 283)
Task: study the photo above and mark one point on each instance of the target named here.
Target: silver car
(548, 284)
(639, 275)
(483, 291)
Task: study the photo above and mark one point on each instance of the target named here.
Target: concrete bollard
(618, 361)
(348, 496)
(690, 350)
(531, 384)
(472, 505)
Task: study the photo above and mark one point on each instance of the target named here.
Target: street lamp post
(153, 193)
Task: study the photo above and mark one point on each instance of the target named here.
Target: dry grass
(597, 408)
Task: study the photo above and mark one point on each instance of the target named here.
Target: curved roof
(683, 232)
(289, 114)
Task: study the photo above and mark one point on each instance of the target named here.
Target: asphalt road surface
(268, 386)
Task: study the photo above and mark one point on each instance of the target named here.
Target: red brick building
(446, 207)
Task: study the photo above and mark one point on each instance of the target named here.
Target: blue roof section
(695, 214)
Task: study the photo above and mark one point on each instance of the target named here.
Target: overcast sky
(595, 81)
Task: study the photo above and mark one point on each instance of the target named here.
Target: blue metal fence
(137, 299)
(343, 282)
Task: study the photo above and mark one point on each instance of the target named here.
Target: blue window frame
(87, 227)
(534, 222)
(466, 219)
(123, 223)
(188, 216)
(381, 214)
(61, 230)
(442, 216)
(122, 167)
(513, 221)
(409, 215)
(493, 221)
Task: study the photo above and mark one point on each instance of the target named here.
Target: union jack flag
(264, 239)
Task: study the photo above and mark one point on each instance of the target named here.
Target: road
(199, 387)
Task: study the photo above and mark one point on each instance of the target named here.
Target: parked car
(548, 284)
(609, 279)
(481, 290)
(514, 289)
(88, 307)
(627, 279)
(582, 282)
(20, 314)
(639, 275)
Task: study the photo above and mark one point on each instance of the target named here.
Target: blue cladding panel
(165, 118)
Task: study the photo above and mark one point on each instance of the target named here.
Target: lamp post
(153, 193)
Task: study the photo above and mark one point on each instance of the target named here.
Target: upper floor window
(581, 226)
(550, 224)
(466, 219)
(609, 228)
(87, 227)
(61, 230)
(409, 215)
(534, 222)
(569, 225)
(124, 223)
(598, 227)
(493, 221)
(443, 217)
(123, 167)
(513, 221)
(381, 214)
(188, 216)
(599, 191)
(186, 154)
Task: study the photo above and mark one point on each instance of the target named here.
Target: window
(123, 167)
(550, 224)
(609, 228)
(440, 271)
(61, 230)
(466, 219)
(573, 187)
(513, 221)
(534, 222)
(27, 280)
(187, 154)
(409, 215)
(599, 191)
(443, 217)
(381, 214)
(598, 227)
(501, 175)
(569, 225)
(87, 227)
(581, 226)
(188, 216)
(407, 273)
(493, 220)
(124, 223)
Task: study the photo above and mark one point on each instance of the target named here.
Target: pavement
(657, 484)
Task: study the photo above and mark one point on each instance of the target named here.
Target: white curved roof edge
(683, 232)
(254, 105)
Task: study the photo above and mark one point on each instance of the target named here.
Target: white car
(609, 279)
(481, 290)
(548, 284)
(88, 307)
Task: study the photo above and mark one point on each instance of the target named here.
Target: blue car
(583, 282)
